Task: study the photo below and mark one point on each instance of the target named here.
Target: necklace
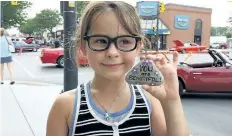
(107, 111)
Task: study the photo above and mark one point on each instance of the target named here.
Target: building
(178, 22)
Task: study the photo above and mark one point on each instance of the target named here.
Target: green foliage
(230, 21)
(28, 27)
(14, 15)
(220, 31)
(80, 8)
(46, 20)
(228, 35)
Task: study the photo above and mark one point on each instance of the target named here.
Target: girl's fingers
(153, 90)
(175, 58)
(156, 59)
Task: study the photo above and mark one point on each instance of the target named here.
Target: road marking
(24, 68)
(50, 76)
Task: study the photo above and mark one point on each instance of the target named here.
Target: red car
(208, 77)
(56, 56)
(219, 45)
(187, 47)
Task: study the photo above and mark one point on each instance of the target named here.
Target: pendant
(145, 72)
(107, 116)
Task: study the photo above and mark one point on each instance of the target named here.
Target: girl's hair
(125, 12)
(2, 31)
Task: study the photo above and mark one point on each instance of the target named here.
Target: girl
(5, 55)
(110, 36)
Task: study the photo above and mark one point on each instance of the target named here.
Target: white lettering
(182, 20)
(147, 7)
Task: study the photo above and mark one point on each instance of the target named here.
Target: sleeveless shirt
(87, 123)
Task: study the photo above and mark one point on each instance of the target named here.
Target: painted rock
(145, 72)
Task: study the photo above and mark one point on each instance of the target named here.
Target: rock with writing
(145, 72)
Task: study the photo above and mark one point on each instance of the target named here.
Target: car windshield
(227, 57)
(196, 58)
(21, 43)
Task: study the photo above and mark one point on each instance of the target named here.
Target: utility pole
(1, 14)
(70, 67)
(157, 26)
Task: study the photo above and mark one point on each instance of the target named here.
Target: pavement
(25, 107)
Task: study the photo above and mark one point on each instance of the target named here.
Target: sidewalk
(25, 107)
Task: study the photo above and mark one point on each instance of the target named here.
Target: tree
(28, 27)
(228, 35)
(31, 28)
(80, 8)
(14, 15)
(47, 19)
(230, 21)
(213, 31)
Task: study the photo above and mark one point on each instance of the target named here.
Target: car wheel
(34, 50)
(60, 61)
(181, 88)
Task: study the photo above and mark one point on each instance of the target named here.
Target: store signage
(160, 31)
(147, 8)
(182, 22)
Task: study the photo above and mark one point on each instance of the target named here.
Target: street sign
(147, 8)
(14, 3)
(71, 3)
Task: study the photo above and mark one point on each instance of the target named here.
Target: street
(207, 115)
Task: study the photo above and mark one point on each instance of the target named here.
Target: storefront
(178, 22)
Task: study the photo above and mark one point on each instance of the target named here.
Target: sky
(221, 9)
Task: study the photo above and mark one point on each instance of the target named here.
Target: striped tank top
(87, 123)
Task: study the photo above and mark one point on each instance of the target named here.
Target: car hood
(34, 44)
(54, 49)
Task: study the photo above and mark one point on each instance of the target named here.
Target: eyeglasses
(124, 43)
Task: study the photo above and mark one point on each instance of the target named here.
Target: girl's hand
(169, 90)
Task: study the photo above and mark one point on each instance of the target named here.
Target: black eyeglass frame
(112, 40)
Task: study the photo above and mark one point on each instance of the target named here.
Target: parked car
(24, 46)
(56, 56)
(186, 47)
(213, 76)
(219, 45)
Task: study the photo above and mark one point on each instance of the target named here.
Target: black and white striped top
(87, 123)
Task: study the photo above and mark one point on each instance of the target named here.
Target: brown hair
(2, 31)
(125, 12)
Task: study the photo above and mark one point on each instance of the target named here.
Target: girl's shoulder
(64, 102)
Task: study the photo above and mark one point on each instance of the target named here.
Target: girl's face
(110, 63)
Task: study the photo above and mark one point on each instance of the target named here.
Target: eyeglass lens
(123, 43)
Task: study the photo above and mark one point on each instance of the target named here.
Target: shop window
(198, 24)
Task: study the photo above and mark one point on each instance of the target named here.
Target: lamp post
(70, 68)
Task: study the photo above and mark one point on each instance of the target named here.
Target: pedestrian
(110, 36)
(6, 57)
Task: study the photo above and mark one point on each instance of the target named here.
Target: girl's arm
(167, 118)
(175, 119)
(57, 120)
